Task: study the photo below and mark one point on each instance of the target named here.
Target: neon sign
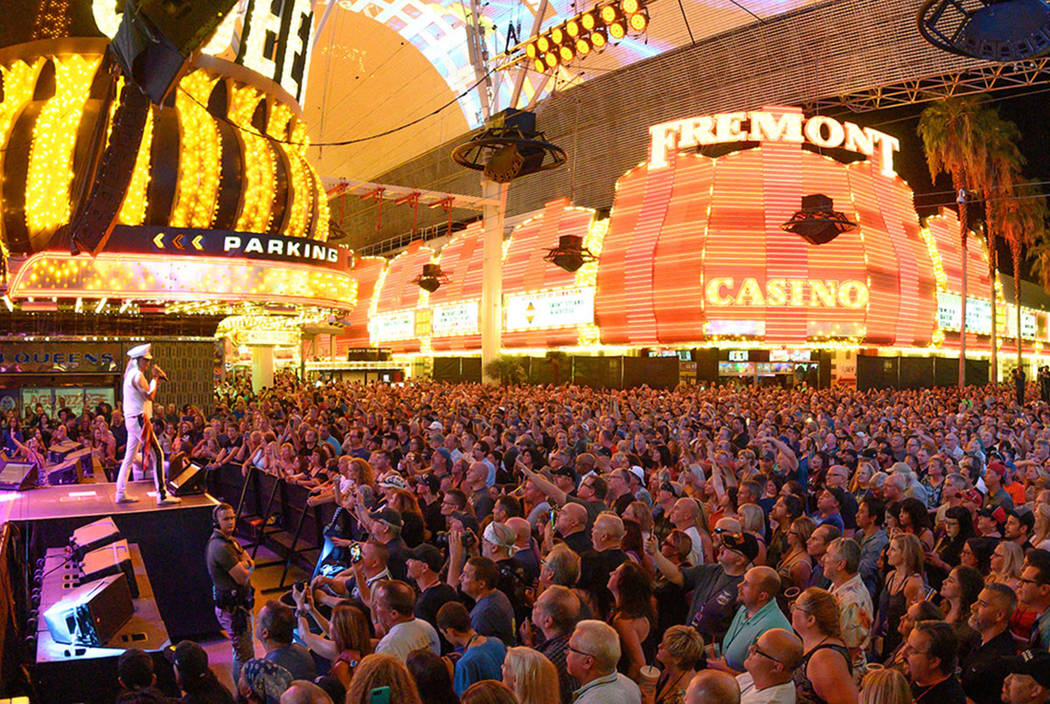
(768, 126)
(814, 293)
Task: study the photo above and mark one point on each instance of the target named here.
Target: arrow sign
(197, 243)
(178, 242)
(158, 241)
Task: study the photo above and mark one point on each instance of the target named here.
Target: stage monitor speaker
(93, 536)
(17, 476)
(60, 451)
(112, 559)
(65, 473)
(90, 615)
(189, 481)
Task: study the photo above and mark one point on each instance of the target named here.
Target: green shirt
(745, 630)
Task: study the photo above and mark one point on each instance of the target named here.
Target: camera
(299, 586)
(469, 540)
(355, 553)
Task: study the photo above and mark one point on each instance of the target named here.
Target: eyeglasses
(758, 651)
(578, 651)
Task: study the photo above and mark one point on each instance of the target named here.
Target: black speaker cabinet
(94, 536)
(112, 559)
(90, 615)
(189, 481)
(17, 476)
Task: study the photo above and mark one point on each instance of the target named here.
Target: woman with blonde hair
(753, 521)
(531, 676)
(681, 652)
(1041, 534)
(824, 675)
(1006, 563)
(905, 585)
(380, 671)
(885, 687)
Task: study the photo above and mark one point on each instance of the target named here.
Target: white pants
(135, 427)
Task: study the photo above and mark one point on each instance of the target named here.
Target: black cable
(345, 142)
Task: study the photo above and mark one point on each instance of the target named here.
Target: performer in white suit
(138, 417)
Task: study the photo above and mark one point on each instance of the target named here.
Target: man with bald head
(477, 487)
(712, 687)
(593, 652)
(770, 662)
(305, 692)
(571, 527)
(683, 517)
(596, 565)
(758, 613)
(525, 552)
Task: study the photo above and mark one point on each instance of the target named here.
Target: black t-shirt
(595, 568)
(714, 599)
(578, 541)
(983, 671)
(947, 692)
(432, 599)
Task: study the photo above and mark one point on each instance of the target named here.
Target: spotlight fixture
(565, 53)
(617, 30)
(510, 147)
(818, 222)
(638, 21)
(572, 28)
(598, 39)
(610, 14)
(570, 254)
(431, 278)
(557, 35)
(583, 47)
(995, 30)
(587, 21)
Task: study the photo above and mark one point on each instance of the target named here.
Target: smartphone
(355, 553)
(379, 695)
(552, 515)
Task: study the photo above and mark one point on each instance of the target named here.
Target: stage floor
(96, 499)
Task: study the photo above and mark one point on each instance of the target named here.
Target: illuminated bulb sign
(814, 293)
(768, 126)
(549, 309)
(270, 38)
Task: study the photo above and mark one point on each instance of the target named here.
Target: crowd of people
(546, 545)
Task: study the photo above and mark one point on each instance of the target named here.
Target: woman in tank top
(824, 675)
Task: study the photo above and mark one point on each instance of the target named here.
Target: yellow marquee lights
(298, 168)
(133, 210)
(149, 276)
(200, 154)
(50, 170)
(259, 173)
(589, 335)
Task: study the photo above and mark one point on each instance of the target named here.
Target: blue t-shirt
(482, 662)
(493, 616)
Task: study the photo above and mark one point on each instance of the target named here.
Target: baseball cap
(744, 543)
(436, 425)
(189, 658)
(839, 494)
(997, 467)
(392, 480)
(266, 679)
(998, 513)
(427, 554)
(564, 472)
(387, 515)
(1034, 663)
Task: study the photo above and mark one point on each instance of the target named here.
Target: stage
(171, 538)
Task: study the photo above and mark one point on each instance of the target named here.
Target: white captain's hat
(142, 351)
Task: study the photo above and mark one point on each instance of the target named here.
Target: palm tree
(1001, 172)
(1023, 225)
(953, 134)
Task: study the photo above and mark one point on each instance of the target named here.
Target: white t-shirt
(136, 403)
(777, 694)
(405, 637)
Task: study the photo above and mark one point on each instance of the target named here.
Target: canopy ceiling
(379, 64)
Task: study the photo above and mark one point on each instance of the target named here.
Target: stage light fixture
(598, 39)
(617, 30)
(572, 28)
(610, 14)
(565, 53)
(558, 35)
(818, 222)
(540, 66)
(638, 21)
(570, 254)
(530, 50)
(629, 7)
(583, 47)
(431, 278)
(588, 21)
(543, 44)
(509, 148)
(551, 58)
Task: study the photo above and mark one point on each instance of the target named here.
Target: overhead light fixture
(558, 35)
(618, 30)
(583, 47)
(610, 14)
(629, 7)
(509, 148)
(431, 278)
(994, 30)
(551, 59)
(565, 53)
(598, 39)
(531, 51)
(572, 28)
(818, 222)
(570, 254)
(638, 21)
(587, 21)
